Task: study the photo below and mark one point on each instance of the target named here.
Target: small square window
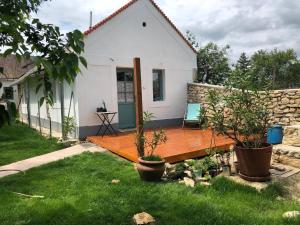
(8, 93)
(158, 85)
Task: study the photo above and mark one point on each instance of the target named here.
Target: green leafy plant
(69, 126)
(150, 141)
(240, 113)
(56, 56)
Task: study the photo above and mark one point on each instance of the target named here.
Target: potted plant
(150, 167)
(240, 112)
(102, 108)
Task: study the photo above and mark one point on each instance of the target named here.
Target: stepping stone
(143, 218)
(291, 214)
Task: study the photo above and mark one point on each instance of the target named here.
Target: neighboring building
(168, 63)
(10, 70)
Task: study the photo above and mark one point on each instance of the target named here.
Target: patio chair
(192, 114)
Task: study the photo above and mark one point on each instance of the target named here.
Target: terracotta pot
(254, 163)
(151, 170)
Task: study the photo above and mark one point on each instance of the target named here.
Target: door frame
(125, 69)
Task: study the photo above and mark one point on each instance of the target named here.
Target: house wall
(115, 44)
(55, 111)
(284, 107)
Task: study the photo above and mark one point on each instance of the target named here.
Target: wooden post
(28, 103)
(138, 105)
(62, 109)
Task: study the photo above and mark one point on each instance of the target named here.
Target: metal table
(106, 119)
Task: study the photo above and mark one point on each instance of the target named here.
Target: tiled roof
(12, 68)
(101, 23)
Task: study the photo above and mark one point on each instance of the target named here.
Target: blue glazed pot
(275, 134)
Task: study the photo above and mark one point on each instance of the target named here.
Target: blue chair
(192, 114)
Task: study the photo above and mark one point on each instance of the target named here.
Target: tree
(274, 66)
(192, 39)
(56, 55)
(243, 64)
(213, 64)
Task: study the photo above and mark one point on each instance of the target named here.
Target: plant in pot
(150, 167)
(241, 113)
(102, 108)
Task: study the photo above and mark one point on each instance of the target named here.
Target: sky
(246, 25)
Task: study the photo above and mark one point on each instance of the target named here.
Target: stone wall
(284, 106)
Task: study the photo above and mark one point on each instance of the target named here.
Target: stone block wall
(284, 106)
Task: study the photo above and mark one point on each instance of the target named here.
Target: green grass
(19, 142)
(78, 190)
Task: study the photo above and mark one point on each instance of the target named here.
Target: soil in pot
(254, 163)
(151, 170)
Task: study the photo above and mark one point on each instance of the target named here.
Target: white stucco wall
(115, 44)
(55, 111)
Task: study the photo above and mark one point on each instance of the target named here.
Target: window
(125, 85)
(8, 93)
(1, 70)
(158, 85)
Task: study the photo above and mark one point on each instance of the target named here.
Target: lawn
(19, 142)
(78, 190)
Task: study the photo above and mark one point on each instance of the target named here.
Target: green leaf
(41, 101)
(83, 61)
(47, 66)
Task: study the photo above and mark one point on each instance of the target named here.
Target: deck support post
(138, 105)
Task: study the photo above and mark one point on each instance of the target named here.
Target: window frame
(162, 86)
(5, 93)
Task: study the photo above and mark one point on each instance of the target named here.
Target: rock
(205, 183)
(279, 198)
(115, 181)
(201, 179)
(278, 167)
(292, 135)
(188, 173)
(143, 218)
(285, 101)
(170, 167)
(291, 214)
(189, 182)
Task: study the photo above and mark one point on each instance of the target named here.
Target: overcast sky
(246, 25)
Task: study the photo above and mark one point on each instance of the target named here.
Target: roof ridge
(105, 20)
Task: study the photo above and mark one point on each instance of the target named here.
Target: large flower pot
(254, 163)
(151, 170)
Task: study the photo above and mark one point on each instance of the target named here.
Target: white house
(10, 70)
(168, 63)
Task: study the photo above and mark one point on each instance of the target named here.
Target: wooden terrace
(182, 144)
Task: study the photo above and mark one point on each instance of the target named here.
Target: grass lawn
(19, 142)
(78, 190)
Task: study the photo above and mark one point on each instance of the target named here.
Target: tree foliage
(243, 64)
(192, 39)
(213, 64)
(241, 114)
(277, 66)
(56, 56)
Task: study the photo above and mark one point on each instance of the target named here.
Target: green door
(126, 104)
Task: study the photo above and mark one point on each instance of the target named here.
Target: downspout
(28, 103)
(62, 108)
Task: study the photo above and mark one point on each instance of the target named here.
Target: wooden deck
(182, 144)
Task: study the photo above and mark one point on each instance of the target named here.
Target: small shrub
(69, 126)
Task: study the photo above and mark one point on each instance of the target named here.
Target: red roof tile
(101, 23)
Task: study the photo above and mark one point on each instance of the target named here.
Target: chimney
(91, 19)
